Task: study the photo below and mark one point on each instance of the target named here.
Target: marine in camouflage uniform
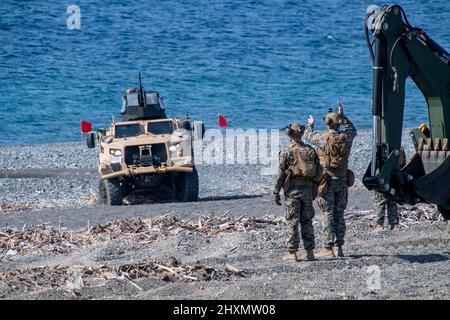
(299, 196)
(383, 204)
(332, 201)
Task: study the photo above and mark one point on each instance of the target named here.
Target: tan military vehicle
(146, 151)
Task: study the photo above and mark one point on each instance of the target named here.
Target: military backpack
(305, 162)
(337, 152)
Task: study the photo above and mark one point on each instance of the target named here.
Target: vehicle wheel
(127, 188)
(102, 191)
(110, 192)
(187, 186)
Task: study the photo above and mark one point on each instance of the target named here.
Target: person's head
(295, 132)
(130, 90)
(332, 120)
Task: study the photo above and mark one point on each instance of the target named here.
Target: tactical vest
(305, 162)
(337, 152)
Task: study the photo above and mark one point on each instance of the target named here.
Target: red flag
(86, 127)
(222, 121)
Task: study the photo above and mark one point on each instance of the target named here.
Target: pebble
(11, 252)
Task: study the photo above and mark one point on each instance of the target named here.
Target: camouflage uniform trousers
(381, 203)
(299, 209)
(333, 204)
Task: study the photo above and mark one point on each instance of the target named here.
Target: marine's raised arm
(349, 128)
(313, 137)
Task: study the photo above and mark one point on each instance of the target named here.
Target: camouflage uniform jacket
(320, 139)
(286, 158)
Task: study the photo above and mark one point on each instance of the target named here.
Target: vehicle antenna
(141, 95)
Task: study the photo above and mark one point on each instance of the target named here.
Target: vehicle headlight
(173, 148)
(115, 152)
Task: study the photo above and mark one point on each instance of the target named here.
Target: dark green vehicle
(399, 51)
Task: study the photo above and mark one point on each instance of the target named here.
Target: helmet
(295, 130)
(332, 119)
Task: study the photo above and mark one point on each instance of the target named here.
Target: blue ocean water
(262, 64)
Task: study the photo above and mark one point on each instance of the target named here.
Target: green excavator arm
(399, 51)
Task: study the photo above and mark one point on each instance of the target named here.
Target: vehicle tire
(102, 191)
(127, 188)
(187, 186)
(110, 192)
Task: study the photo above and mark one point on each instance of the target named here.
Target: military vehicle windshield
(164, 127)
(127, 130)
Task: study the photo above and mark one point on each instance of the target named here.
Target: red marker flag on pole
(222, 121)
(86, 127)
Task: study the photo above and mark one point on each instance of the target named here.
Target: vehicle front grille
(159, 153)
(145, 155)
(115, 167)
(132, 155)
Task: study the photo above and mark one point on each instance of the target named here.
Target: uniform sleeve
(349, 129)
(282, 167)
(314, 138)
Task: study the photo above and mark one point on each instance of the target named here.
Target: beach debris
(40, 239)
(232, 270)
(11, 252)
(407, 215)
(93, 197)
(416, 214)
(75, 281)
(77, 278)
(148, 230)
(10, 207)
(46, 238)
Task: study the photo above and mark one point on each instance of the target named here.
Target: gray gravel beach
(57, 184)
(65, 175)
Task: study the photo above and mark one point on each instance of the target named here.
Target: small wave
(4, 27)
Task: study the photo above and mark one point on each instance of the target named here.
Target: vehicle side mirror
(101, 131)
(90, 140)
(185, 124)
(107, 139)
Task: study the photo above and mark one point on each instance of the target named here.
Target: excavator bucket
(434, 185)
(399, 51)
